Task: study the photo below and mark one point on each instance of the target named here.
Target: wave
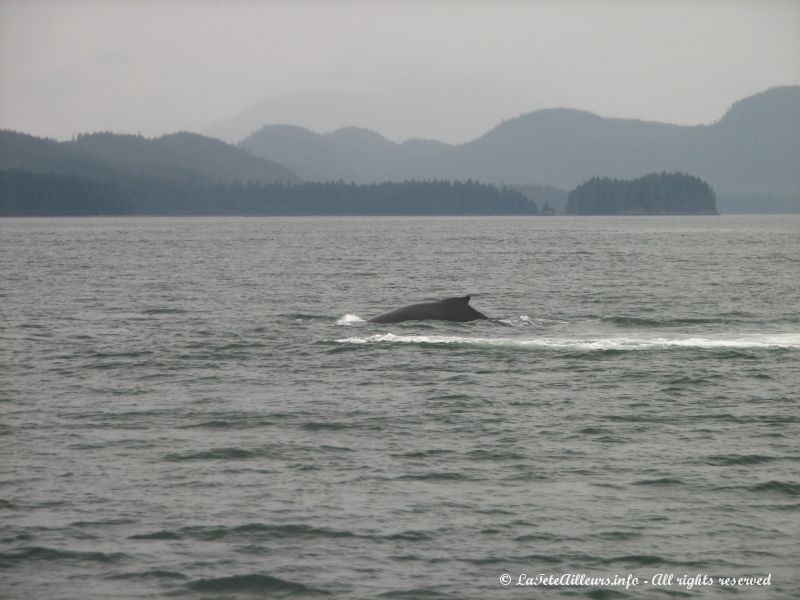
(156, 535)
(660, 481)
(255, 584)
(651, 560)
(729, 460)
(789, 488)
(421, 453)
(350, 319)
(623, 321)
(264, 532)
(260, 531)
(40, 553)
(494, 455)
(420, 593)
(526, 321)
(636, 559)
(749, 341)
(435, 476)
(213, 454)
(164, 311)
(412, 535)
(154, 573)
(324, 425)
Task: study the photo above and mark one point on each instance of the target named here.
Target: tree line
(25, 193)
(653, 194)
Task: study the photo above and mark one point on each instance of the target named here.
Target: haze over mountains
(754, 149)
(751, 156)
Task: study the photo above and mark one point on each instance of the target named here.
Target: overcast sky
(436, 69)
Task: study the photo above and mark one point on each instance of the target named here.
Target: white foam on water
(350, 319)
(526, 321)
(750, 341)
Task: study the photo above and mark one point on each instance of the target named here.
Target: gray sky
(437, 69)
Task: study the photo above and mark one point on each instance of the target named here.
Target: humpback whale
(449, 309)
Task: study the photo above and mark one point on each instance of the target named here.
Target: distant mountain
(351, 154)
(28, 153)
(188, 174)
(320, 110)
(754, 149)
(108, 156)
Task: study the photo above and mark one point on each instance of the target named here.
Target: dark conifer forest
(653, 194)
(34, 194)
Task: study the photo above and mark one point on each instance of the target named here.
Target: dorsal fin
(458, 299)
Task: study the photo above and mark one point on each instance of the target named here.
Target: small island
(547, 210)
(653, 194)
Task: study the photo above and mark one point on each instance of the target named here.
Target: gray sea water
(196, 408)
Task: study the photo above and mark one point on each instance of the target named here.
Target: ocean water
(197, 408)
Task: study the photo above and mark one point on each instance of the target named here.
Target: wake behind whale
(562, 335)
(775, 341)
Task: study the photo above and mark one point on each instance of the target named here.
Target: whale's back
(449, 309)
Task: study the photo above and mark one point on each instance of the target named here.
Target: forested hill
(653, 194)
(188, 174)
(109, 156)
(33, 194)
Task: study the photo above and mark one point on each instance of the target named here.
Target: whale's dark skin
(449, 309)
